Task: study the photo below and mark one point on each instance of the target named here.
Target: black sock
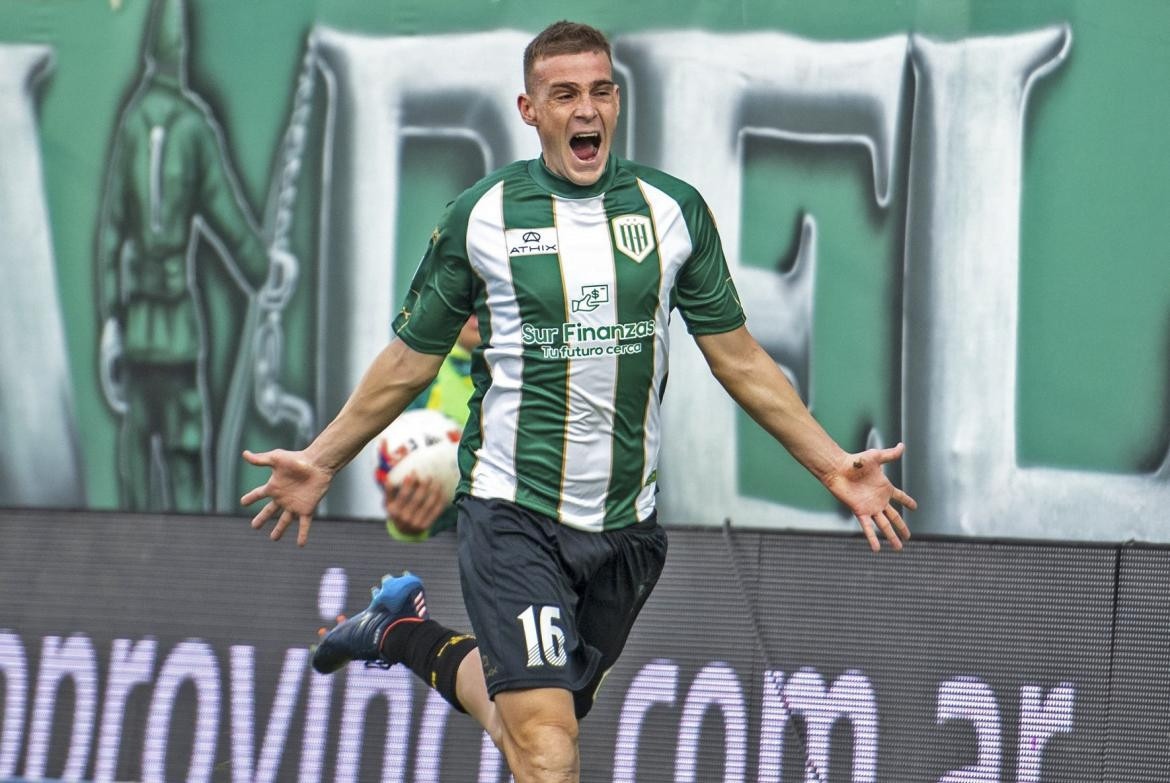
(430, 651)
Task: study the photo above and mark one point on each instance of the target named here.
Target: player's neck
(558, 185)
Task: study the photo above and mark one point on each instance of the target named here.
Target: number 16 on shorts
(546, 646)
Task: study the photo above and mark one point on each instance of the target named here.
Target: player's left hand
(861, 484)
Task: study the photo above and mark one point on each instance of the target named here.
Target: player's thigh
(521, 603)
(612, 598)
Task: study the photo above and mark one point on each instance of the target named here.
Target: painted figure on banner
(170, 188)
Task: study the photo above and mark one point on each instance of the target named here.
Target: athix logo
(530, 241)
(591, 297)
(633, 235)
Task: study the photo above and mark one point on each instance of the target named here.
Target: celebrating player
(572, 262)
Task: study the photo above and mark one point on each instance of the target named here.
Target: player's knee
(545, 746)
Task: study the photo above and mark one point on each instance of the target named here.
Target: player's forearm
(754, 381)
(391, 382)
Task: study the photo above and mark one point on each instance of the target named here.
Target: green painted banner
(949, 221)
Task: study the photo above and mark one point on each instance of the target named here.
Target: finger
(867, 527)
(891, 454)
(437, 502)
(412, 525)
(303, 532)
(264, 458)
(408, 489)
(888, 531)
(905, 499)
(265, 514)
(286, 518)
(899, 523)
(257, 493)
(393, 501)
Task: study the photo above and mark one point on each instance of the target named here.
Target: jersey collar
(560, 186)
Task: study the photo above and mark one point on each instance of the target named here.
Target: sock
(430, 651)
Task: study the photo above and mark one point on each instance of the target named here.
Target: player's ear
(527, 110)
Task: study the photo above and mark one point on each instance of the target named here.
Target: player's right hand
(294, 488)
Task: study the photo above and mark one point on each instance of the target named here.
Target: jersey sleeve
(442, 293)
(704, 292)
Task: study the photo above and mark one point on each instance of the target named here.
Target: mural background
(1090, 387)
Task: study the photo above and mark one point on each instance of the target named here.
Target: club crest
(633, 235)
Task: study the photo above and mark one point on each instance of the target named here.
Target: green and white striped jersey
(573, 287)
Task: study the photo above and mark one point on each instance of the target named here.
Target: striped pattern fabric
(574, 287)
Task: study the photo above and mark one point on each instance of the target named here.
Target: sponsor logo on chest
(531, 241)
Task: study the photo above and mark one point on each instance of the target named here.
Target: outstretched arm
(299, 479)
(756, 383)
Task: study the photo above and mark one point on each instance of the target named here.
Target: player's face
(574, 106)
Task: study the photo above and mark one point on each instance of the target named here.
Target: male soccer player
(573, 263)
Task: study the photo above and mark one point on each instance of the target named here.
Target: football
(421, 442)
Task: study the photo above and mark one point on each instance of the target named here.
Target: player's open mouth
(585, 145)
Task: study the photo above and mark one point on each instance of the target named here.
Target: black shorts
(551, 605)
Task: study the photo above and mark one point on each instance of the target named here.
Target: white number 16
(549, 646)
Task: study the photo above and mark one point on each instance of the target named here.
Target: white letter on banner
(429, 754)
(1039, 720)
(195, 661)
(970, 699)
(382, 91)
(330, 603)
(716, 685)
(850, 698)
(490, 761)
(656, 683)
(362, 686)
(130, 664)
(729, 87)
(14, 668)
(962, 308)
(774, 717)
(246, 768)
(75, 659)
(39, 465)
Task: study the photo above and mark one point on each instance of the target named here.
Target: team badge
(633, 235)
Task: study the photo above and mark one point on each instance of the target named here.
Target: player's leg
(539, 735)
(614, 592)
(396, 628)
(522, 605)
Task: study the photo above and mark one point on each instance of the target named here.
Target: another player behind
(418, 508)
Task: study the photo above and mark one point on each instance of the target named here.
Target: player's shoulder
(686, 194)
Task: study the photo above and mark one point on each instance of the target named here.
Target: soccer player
(573, 263)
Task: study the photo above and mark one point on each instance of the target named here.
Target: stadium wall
(160, 648)
(947, 220)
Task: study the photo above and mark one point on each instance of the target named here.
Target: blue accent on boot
(359, 638)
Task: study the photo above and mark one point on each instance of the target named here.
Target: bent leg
(471, 690)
